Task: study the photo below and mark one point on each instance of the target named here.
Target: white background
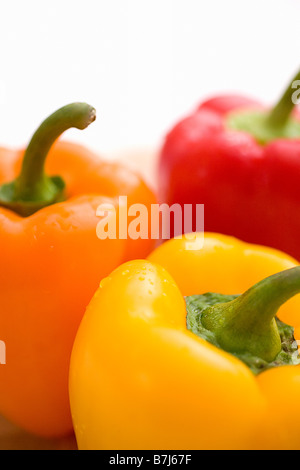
(142, 63)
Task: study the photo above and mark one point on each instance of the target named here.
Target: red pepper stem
(283, 109)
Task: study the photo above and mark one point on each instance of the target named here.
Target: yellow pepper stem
(247, 323)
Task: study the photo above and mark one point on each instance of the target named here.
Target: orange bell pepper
(52, 262)
(142, 378)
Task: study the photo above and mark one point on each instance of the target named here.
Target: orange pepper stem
(33, 189)
(247, 324)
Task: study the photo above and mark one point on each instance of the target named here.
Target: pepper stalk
(268, 125)
(247, 325)
(33, 189)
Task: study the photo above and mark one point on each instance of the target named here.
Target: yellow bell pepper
(140, 379)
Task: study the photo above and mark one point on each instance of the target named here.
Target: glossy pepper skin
(51, 264)
(140, 380)
(242, 161)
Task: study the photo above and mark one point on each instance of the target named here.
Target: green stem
(281, 112)
(265, 126)
(247, 324)
(33, 189)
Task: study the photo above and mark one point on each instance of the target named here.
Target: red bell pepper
(242, 161)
